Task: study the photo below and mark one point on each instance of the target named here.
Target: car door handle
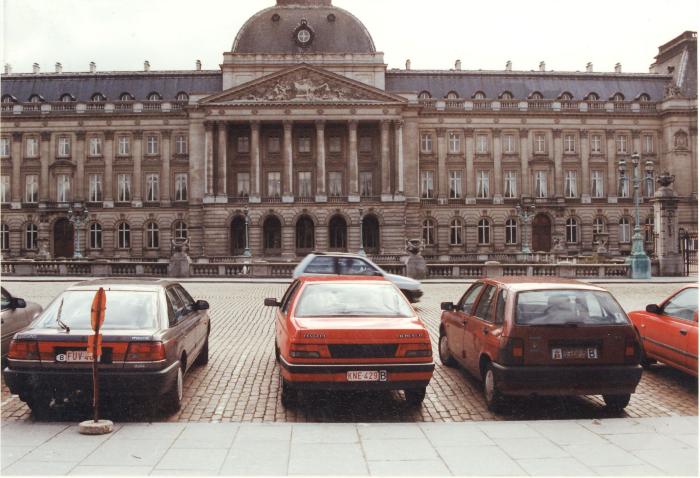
(683, 332)
(485, 330)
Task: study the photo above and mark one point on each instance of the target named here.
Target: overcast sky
(172, 34)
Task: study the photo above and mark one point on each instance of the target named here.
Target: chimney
(509, 65)
(408, 64)
(146, 66)
(458, 65)
(198, 65)
(618, 68)
(59, 67)
(542, 66)
(8, 68)
(93, 67)
(589, 67)
(35, 68)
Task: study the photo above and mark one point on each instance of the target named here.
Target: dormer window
(566, 96)
(424, 95)
(644, 97)
(98, 97)
(155, 96)
(452, 95)
(8, 99)
(536, 95)
(126, 97)
(618, 97)
(479, 95)
(506, 95)
(182, 96)
(67, 98)
(35, 99)
(592, 96)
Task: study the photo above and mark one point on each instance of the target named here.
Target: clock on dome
(304, 36)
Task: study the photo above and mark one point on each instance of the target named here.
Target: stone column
(442, 165)
(524, 164)
(666, 227)
(255, 161)
(165, 169)
(353, 180)
(585, 168)
(138, 173)
(398, 136)
(221, 193)
(612, 166)
(470, 196)
(197, 163)
(16, 184)
(386, 161)
(79, 194)
(288, 158)
(558, 165)
(208, 159)
(497, 167)
(108, 176)
(46, 151)
(321, 195)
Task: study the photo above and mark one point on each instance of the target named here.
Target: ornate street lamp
(525, 214)
(246, 251)
(78, 218)
(638, 260)
(362, 239)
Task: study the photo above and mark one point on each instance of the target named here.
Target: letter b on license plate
(367, 376)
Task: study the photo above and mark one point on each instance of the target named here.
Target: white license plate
(575, 353)
(367, 376)
(75, 356)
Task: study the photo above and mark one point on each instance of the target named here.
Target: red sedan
(669, 330)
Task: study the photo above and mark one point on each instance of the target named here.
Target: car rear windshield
(125, 310)
(352, 300)
(568, 307)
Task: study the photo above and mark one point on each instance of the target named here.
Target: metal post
(639, 262)
(362, 238)
(246, 252)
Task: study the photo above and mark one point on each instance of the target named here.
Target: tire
(414, 396)
(290, 396)
(444, 351)
(277, 353)
(172, 400)
(492, 395)
(646, 362)
(617, 402)
(203, 357)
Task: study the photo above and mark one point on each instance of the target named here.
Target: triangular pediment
(303, 84)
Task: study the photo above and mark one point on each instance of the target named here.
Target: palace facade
(305, 137)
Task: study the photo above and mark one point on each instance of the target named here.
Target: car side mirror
(18, 303)
(654, 309)
(201, 305)
(272, 303)
(448, 306)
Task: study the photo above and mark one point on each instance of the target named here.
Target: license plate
(74, 356)
(575, 353)
(367, 376)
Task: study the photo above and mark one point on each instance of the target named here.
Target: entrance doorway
(63, 238)
(370, 234)
(272, 236)
(338, 234)
(238, 236)
(541, 233)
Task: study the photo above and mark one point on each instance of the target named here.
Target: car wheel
(277, 352)
(617, 402)
(444, 351)
(203, 357)
(414, 396)
(173, 397)
(645, 361)
(289, 395)
(492, 395)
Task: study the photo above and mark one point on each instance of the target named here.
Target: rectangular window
(124, 187)
(335, 184)
(648, 183)
(365, 144)
(454, 142)
(5, 147)
(541, 184)
(62, 188)
(31, 189)
(243, 183)
(510, 188)
(648, 144)
(305, 187)
(181, 187)
(570, 185)
(595, 143)
(482, 144)
(180, 144)
(273, 184)
(366, 184)
(625, 187)
(482, 185)
(4, 188)
(273, 144)
(152, 183)
(63, 146)
(426, 184)
(426, 143)
(335, 145)
(597, 184)
(621, 143)
(95, 146)
(508, 142)
(455, 184)
(152, 144)
(95, 188)
(243, 144)
(32, 147)
(540, 143)
(304, 144)
(569, 143)
(123, 146)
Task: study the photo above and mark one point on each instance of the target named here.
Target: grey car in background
(338, 263)
(17, 314)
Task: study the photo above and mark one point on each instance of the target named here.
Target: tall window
(456, 232)
(649, 229)
(570, 185)
(243, 183)
(123, 146)
(181, 193)
(624, 234)
(511, 231)
(571, 230)
(335, 144)
(274, 184)
(597, 184)
(95, 188)
(180, 144)
(426, 143)
(31, 234)
(63, 146)
(5, 147)
(123, 236)
(152, 189)
(482, 144)
(366, 184)
(482, 185)
(4, 237)
(180, 230)
(483, 230)
(569, 143)
(95, 146)
(243, 144)
(508, 143)
(32, 147)
(304, 144)
(649, 183)
(621, 143)
(31, 189)
(454, 142)
(599, 225)
(541, 184)
(426, 185)
(510, 189)
(625, 186)
(455, 184)
(151, 144)
(429, 232)
(273, 144)
(4, 188)
(152, 236)
(95, 236)
(62, 188)
(648, 144)
(595, 143)
(305, 190)
(124, 187)
(365, 145)
(540, 143)
(335, 184)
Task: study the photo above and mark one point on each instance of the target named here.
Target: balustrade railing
(481, 105)
(510, 105)
(539, 105)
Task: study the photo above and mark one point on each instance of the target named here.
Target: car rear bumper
(567, 380)
(399, 376)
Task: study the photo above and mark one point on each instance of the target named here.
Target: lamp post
(362, 239)
(246, 251)
(638, 260)
(78, 218)
(525, 214)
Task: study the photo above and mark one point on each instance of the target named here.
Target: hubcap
(179, 384)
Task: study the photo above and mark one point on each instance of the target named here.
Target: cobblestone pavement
(241, 381)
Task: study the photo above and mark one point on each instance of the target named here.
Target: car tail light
(145, 352)
(514, 352)
(414, 350)
(419, 353)
(304, 354)
(308, 351)
(632, 354)
(24, 350)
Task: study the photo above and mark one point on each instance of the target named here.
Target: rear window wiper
(58, 319)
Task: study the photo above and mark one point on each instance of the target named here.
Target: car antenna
(58, 318)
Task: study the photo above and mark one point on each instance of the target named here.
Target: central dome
(303, 26)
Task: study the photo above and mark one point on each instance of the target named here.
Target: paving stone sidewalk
(619, 447)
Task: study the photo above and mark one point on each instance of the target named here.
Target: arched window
(182, 96)
(506, 95)
(511, 231)
(456, 228)
(536, 95)
(8, 99)
(67, 98)
(154, 96)
(592, 96)
(479, 95)
(305, 234)
(429, 232)
(123, 236)
(238, 235)
(98, 97)
(566, 96)
(452, 95)
(625, 232)
(4, 237)
(126, 97)
(572, 230)
(424, 95)
(95, 236)
(483, 230)
(35, 99)
(31, 233)
(618, 97)
(272, 235)
(338, 233)
(599, 225)
(370, 234)
(152, 236)
(644, 97)
(180, 230)
(649, 229)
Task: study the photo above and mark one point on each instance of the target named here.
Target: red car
(669, 330)
(350, 333)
